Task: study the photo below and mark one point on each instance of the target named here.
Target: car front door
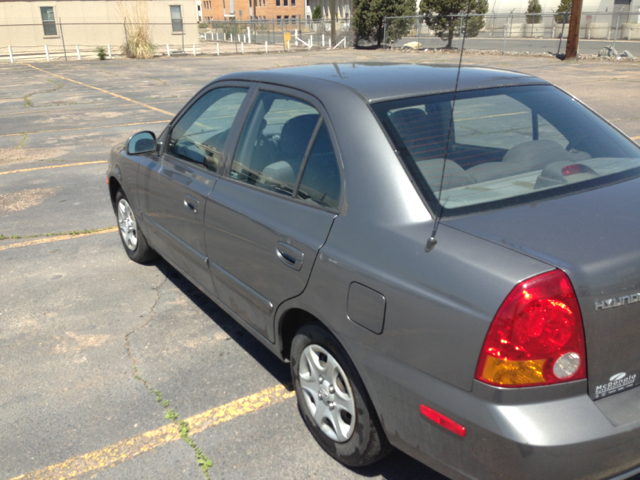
(269, 215)
(174, 187)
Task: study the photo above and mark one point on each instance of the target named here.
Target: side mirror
(141, 142)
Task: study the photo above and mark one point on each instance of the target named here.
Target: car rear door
(174, 188)
(269, 215)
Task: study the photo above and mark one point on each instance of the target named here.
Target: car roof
(385, 81)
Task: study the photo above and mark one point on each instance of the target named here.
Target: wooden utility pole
(332, 12)
(574, 31)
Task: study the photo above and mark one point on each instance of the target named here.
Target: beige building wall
(93, 22)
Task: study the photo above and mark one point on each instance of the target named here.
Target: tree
(368, 18)
(565, 6)
(532, 8)
(440, 17)
(317, 13)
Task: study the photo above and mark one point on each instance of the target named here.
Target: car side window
(199, 135)
(321, 178)
(274, 142)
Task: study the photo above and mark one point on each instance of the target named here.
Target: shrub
(101, 52)
(138, 43)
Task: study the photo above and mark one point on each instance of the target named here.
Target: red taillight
(443, 421)
(537, 337)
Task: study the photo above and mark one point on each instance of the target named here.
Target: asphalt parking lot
(101, 359)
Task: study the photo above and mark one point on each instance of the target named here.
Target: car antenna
(431, 243)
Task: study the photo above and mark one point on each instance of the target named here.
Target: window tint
(274, 142)
(48, 21)
(508, 145)
(549, 132)
(498, 121)
(321, 179)
(200, 134)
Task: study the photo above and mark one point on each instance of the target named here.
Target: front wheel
(132, 238)
(333, 401)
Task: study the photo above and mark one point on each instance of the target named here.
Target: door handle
(191, 203)
(290, 256)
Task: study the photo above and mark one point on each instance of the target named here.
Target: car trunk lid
(594, 237)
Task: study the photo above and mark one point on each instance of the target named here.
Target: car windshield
(507, 146)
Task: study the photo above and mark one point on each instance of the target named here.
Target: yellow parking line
(127, 449)
(635, 138)
(83, 128)
(102, 90)
(57, 238)
(489, 116)
(52, 166)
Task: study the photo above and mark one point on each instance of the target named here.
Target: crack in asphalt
(22, 140)
(203, 462)
(27, 100)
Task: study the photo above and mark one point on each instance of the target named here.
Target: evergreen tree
(368, 16)
(317, 13)
(565, 6)
(438, 16)
(532, 8)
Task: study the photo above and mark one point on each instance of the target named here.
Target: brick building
(243, 10)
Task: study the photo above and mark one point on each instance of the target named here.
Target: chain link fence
(73, 40)
(289, 33)
(530, 33)
(502, 33)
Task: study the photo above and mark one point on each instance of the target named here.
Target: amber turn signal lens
(513, 372)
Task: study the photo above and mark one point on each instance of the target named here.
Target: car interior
(500, 144)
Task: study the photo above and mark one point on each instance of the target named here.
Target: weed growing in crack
(158, 395)
(203, 462)
(171, 415)
(22, 140)
(183, 427)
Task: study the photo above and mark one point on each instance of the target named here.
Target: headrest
(295, 136)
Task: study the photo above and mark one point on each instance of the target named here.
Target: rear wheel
(132, 238)
(332, 399)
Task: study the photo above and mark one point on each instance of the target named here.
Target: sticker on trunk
(618, 382)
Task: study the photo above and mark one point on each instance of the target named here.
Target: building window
(176, 18)
(48, 21)
(277, 3)
(286, 3)
(293, 3)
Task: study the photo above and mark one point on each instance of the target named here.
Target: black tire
(133, 240)
(355, 442)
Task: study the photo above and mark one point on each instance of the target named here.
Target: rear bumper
(546, 433)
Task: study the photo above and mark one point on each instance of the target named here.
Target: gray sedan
(451, 267)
